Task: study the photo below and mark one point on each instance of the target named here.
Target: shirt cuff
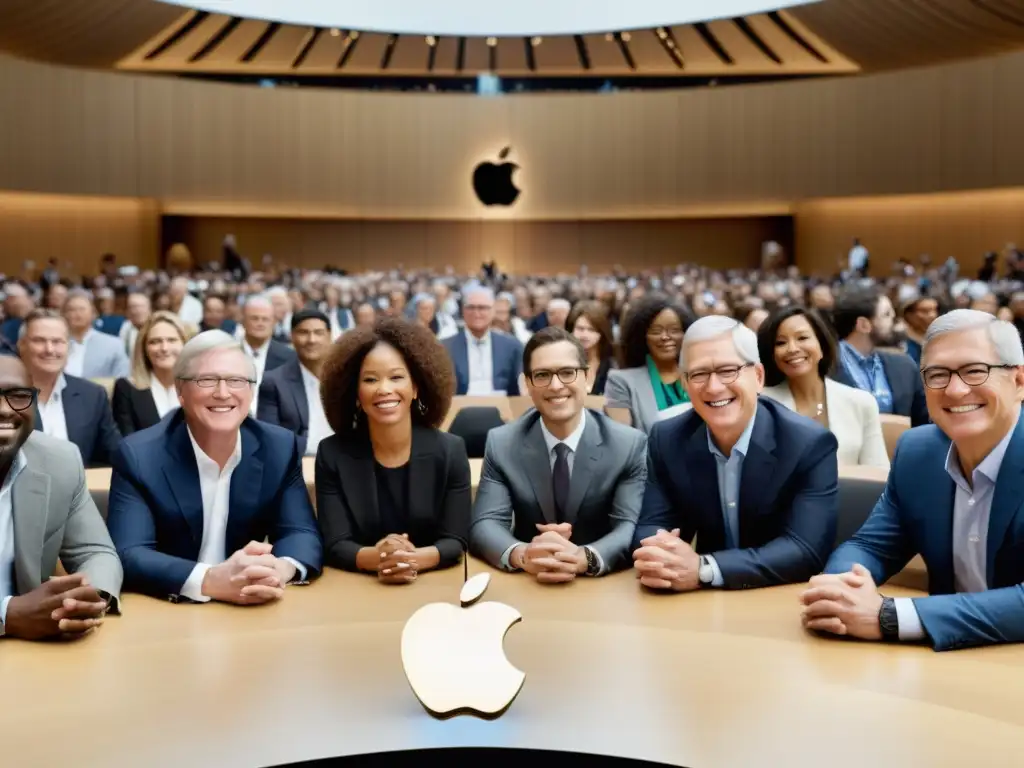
(718, 580)
(506, 558)
(909, 622)
(300, 569)
(3, 608)
(193, 587)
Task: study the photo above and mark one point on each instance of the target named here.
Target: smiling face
(557, 402)
(972, 415)
(217, 409)
(665, 336)
(311, 339)
(386, 388)
(726, 407)
(44, 347)
(78, 311)
(16, 423)
(587, 334)
(163, 346)
(797, 351)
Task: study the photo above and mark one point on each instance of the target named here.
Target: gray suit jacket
(631, 388)
(105, 357)
(609, 472)
(55, 517)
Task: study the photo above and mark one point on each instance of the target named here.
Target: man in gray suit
(46, 514)
(92, 354)
(562, 486)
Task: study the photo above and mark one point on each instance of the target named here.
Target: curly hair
(634, 329)
(426, 358)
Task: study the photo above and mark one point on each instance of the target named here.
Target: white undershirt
(319, 429)
(7, 535)
(52, 411)
(75, 364)
(481, 364)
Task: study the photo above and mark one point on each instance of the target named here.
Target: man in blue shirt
(952, 496)
(755, 482)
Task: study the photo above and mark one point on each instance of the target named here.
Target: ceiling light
(662, 33)
(609, 37)
(626, 37)
(537, 41)
(431, 40)
(335, 32)
(492, 41)
(353, 35)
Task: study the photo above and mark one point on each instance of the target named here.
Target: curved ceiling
(469, 18)
(827, 37)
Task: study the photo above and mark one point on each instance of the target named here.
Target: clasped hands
(665, 561)
(843, 604)
(65, 607)
(251, 576)
(551, 557)
(398, 561)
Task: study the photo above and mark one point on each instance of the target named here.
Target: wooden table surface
(706, 680)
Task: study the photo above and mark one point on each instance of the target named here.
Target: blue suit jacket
(915, 515)
(904, 381)
(283, 401)
(155, 511)
(789, 496)
(109, 324)
(506, 362)
(90, 421)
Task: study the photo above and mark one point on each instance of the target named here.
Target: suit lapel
(359, 484)
(30, 503)
(146, 408)
(901, 393)
(757, 480)
(538, 469)
(460, 348)
(244, 496)
(703, 473)
(585, 464)
(422, 476)
(299, 393)
(73, 414)
(182, 474)
(1007, 499)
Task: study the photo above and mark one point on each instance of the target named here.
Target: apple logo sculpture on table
(493, 182)
(454, 656)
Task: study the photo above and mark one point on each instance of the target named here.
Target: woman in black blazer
(393, 492)
(588, 322)
(141, 401)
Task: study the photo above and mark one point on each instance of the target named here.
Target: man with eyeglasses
(486, 362)
(210, 504)
(755, 482)
(953, 496)
(561, 486)
(46, 515)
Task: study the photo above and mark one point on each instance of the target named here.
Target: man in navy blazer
(756, 482)
(486, 362)
(193, 498)
(954, 496)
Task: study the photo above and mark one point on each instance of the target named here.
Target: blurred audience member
(425, 309)
(558, 311)
(215, 315)
(588, 322)
(138, 309)
(918, 314)
(265, 352)
(91, 353)
(486, 363)
(365, 315)
(506, 320)
(183, 303)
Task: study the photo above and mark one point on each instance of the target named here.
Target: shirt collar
(17, 465)
(255, 351)
(741, 445)
(989, 466)
(308, 377)
(863, 359)
(85, 337)
(202, 459)
(572, 440)
(58, 388)
(471, 339)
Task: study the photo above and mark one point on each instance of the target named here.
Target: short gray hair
(257, 300)
(1004, 336)
(560, 303)
(715, 326)
(202, 344)
(78, 293)
(477, 289)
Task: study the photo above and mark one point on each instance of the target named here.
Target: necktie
(560, 481)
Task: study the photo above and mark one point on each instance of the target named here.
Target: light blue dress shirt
(868, 374)
(730, 471)
(972, 509)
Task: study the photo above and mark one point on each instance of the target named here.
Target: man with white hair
(558, 312)
(952, 496)
(92, 354)
(210, 504)
(282, 307)
(257, 328)
(184, 304)
(756, 482)
(485, 363)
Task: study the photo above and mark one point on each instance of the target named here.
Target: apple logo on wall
(454, 656)
(493, 183)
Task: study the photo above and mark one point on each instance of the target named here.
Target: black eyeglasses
(972, 374)
(20, 398)
(565, 375)
(727, 374)
(209, 382)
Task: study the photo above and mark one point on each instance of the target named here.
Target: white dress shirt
(318, 426)
(7, 536)
(259, 356)
(191, 310)
(164, 398)
(76, 354)
(572, 442)
(129, 335)
(480, 358)
(52, 411)
(215, 487)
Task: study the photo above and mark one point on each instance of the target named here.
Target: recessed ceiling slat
(604, 55)
(649, 54)
(368, 53)
(410, 54)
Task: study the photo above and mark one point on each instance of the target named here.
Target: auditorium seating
(892, 427)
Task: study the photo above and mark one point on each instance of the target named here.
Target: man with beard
(43, 491)
(863, 320)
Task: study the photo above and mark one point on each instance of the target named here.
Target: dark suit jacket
(789, 496)
(914, 516)
(228, 326)
(89, 420)
(10, 328)
(277, 355)
(283, 402)
(506, 362)
(109, 324)
(601, 377)
(155, 513)
(905, 382)
(133, 408)
(346, 496)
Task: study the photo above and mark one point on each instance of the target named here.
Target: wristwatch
(889, 620)
(705, 573)
(593, 566)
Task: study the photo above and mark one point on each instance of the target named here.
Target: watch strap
(593, 566)
(888, 620)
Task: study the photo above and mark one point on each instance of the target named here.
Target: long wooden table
(706, 680)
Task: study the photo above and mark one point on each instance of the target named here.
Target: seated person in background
(757, 483)
(138, 308)
(365, 315)
(46, 514)
(215, 316)
(68, 408)
(265, 352)
(193, 498)
(953, 497)
(486, 362)
(92, 354)
(108, 319)
(918, 314)
(649, 381)
(393, 492)
(142, 400)
(798, 352)
(588, 322)
(290, 394)
(561, 486)
(558, 312)
(863, 320)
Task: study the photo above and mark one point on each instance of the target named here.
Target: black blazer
(89, 420)
(601, 378)
(905, 383)
(283, 402)
(134, 409)
(346, 496)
